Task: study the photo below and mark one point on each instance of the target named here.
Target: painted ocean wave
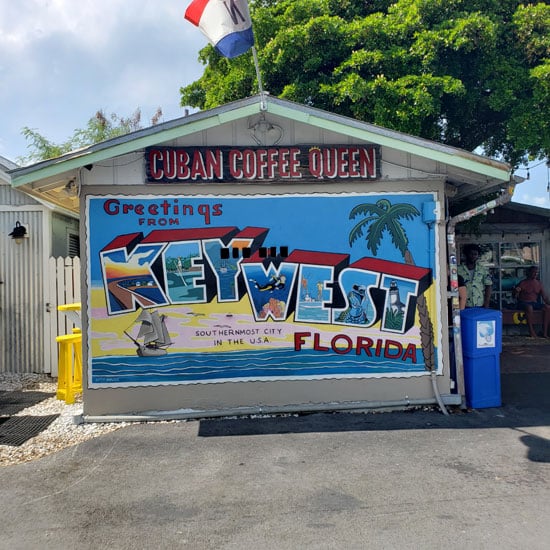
(279, 364)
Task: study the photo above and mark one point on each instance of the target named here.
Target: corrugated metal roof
(528, 209)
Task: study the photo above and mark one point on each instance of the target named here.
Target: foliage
(382, 216)
(468, 73)
(99, 128)
(393, 319)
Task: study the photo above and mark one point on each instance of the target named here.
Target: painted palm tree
(381, 217)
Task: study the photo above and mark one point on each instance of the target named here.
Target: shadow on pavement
(525, 383)
(507, 416)
(538, 447)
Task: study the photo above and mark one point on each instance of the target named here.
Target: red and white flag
(226, 23)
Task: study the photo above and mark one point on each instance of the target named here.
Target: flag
(226, 23)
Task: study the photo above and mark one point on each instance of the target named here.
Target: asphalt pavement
(409, 480)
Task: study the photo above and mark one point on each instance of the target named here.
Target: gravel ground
(63, 432)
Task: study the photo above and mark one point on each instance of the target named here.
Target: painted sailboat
(153, 338)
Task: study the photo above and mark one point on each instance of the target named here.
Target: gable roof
(467, 172)
(5, 166)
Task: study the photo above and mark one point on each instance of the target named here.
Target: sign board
(261, 164)
(210, 289)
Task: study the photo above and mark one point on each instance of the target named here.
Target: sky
(63, 60)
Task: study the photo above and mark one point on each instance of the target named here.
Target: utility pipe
(194, 414)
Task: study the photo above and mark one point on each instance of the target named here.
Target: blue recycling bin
(481, 331)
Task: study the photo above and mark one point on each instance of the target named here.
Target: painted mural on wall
(205, 289)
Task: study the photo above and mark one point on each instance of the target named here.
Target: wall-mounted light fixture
(19, 233)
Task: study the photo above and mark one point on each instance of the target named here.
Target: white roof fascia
(403, 142)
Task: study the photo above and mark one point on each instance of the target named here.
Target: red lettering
(249, 164)
(342, 162)
(214, 164)
(317, 343)
(154, 170)
(206, 164)
(284, 163)
(363, 344)
(315, 162)
(271, 162)
(368, 169)
(165, 205)
(329, 163)
(234, 157)
(299, 339)
(342, 344)
(197, 169)
(111, 207)
(388, 349)
(182, 170)
(170, 163)
(294, 163)
(410, 353)
(204, 210)
(348, 344)
(353, 162)
(261, 162)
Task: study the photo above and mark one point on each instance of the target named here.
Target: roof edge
(204, 120)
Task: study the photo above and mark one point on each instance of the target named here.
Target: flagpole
(263, 104)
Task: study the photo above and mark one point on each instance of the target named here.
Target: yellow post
(77, 370)
(69, 374)
(72, 311)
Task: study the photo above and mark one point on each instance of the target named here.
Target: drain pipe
(430, 215)
(437, 394)
(505, 197)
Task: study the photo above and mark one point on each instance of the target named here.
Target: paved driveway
(407, 480)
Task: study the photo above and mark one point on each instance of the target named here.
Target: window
(73, 245)
(508, 263)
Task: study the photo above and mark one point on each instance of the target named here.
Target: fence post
(64, 288)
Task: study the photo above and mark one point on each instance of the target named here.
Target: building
(32, 231)
(512, 238)
(265, 256)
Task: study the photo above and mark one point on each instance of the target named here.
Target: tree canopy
(468, 73)
(99, 128)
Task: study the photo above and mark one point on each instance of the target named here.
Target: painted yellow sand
(218, 327)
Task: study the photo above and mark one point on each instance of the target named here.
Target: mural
(206, 289)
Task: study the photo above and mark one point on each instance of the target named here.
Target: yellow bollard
(77, 370)
(69, 374)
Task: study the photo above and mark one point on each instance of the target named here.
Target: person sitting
(529, 293)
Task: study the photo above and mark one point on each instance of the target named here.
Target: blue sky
(62, 60)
